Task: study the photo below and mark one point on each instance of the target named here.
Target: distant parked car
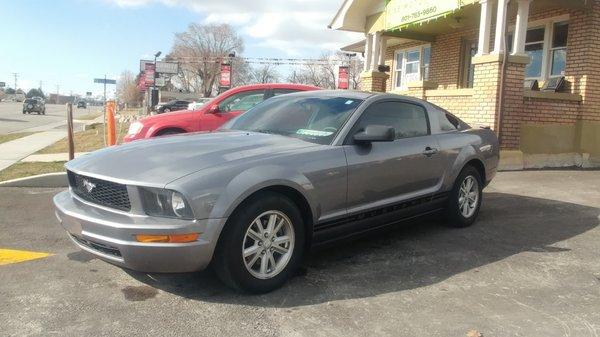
(34, 105)
(213, 114)
(82, 105)
(195, 105)
(169, 106)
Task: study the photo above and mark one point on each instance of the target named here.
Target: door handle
(429, 151)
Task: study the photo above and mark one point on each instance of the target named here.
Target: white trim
(420, 48)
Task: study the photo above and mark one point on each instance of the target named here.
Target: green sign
(401, 13)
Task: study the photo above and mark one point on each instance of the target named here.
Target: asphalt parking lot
(529, 267)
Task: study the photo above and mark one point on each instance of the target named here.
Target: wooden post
(70, 130)
(111, 135)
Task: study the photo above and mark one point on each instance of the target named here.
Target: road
(529, 267)
(12, 118)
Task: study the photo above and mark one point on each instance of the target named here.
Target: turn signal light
(175, 238)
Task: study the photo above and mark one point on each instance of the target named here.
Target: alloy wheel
(268, 244)
(468, 196)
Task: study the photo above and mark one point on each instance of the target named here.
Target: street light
(151, 98)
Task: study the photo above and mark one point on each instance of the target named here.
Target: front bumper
(110, 235)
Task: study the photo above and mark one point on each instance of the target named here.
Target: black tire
(24, 112)
(455, 217)
(166, 110)
(228, 262)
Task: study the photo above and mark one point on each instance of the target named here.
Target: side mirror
(214, 109)
(376, 133)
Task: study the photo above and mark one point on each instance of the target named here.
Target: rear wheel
(261, 245)
(169, 132)
(465, 198)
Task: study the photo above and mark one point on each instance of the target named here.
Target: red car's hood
(179, 115)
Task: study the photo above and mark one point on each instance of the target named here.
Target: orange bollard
(111, 135)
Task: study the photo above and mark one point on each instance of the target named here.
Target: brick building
(480, 60)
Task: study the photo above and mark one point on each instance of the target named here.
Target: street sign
(89, 93)
(160, 82)
(104, 81)
(149, 73)
(343, 78)
(162, 67)
(225, 80)
(2, 84)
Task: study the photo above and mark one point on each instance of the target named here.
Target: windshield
(314, 119)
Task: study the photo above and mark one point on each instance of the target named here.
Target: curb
(58, 179)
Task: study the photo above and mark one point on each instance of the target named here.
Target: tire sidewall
(454, 214)
(233, 236)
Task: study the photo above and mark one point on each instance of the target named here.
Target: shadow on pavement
(407, 257)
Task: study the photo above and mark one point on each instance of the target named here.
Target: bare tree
(323, 72)
(127, 89)
(199, 51)
(241, 72)
(266, 73)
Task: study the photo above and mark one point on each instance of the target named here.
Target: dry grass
(89, 140)
(90, 116)
(20, 170)
(13, 136)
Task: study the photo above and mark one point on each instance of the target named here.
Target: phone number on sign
(419, 14)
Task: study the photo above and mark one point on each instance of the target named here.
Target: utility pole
(57, 91)
(105, 91)
(41, 82)
(16, 75)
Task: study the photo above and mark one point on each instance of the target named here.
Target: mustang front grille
(100, 192)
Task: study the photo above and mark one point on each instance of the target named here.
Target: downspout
(502, 75)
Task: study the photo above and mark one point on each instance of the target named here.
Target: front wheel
(465, 198)
(167, 110)
(261, 245)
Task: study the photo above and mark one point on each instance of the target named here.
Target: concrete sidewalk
(13, 151)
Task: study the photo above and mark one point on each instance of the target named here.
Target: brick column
(373, 81)
(486, 88)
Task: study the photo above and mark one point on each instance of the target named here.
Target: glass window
(277, 92)
(561, 30)
(313, 119)
(241, 101)
(447, 122)
(536, 52)
(399, 65)
(409, 120)
(535, 35)
(558, 52)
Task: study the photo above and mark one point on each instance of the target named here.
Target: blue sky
(69, 42)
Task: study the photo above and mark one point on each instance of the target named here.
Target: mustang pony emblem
(88, 185)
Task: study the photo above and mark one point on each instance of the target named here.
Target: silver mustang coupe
(295, 171)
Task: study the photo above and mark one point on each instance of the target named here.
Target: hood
(158, 161)
(179, 114)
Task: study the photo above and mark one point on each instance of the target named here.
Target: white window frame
(548, 25)
(420, 48)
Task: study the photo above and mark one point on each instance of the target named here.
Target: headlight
(165, 203)
(135, 128)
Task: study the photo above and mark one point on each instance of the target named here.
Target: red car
(213, 114)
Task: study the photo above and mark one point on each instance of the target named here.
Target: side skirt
(377, 218)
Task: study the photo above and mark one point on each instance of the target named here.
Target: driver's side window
(409, 120)
(242, 101)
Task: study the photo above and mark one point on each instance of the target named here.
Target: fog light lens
(175, 238)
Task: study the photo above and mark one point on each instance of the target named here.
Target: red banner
(225, 80)
(142, 82)
(149, 71)
(343, 82)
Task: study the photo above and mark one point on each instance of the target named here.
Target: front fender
(217, 191)
(257, 178)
